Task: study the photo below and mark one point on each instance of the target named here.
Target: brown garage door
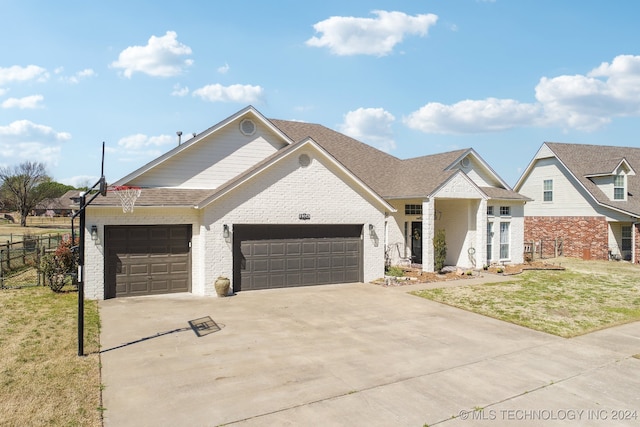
(147, 260)
(287, 256)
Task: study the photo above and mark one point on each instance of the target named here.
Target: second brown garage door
(287, 256)
(147, 260)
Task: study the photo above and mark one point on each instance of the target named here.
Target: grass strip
(566, 303)
(42, 379)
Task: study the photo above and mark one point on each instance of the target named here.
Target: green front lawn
(42, 379)
(587, 296)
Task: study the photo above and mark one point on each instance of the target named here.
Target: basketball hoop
(128, 196)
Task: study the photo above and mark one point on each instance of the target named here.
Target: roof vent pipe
(179, 133)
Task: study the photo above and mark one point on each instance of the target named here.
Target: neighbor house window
(413, 209)
(547, 194)
(626, 238)
(505, 210)
(618, 187)
(504, 240)
(490, 210)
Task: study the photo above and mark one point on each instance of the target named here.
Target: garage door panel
(259, 265)
(309, 263)
(294, 264)
(323, 248)
(293, 280)
(277, 249)
(147, 260)
(324, 262)
(159, 268)
(294, 249)
(277, 265)
(260, 250)
(294, 260)
(133, 269)
(179, 267)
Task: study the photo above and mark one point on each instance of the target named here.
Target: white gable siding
(479, 174)
(604, 183)
(458, 187)
(214, 160)
(569, 198)
(278, 196)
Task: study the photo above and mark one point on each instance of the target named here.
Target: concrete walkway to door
(351, 355)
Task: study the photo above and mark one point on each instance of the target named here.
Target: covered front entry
(278, 256)
(147, 260)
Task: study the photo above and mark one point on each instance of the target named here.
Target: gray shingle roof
(158, 197)
(385, 174)
(584, 160)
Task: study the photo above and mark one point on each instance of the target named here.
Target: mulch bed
(413, 275)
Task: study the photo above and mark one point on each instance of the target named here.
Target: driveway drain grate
(204, 326)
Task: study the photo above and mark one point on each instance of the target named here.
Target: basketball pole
(84, 202)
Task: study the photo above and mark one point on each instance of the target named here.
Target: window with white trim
(619, 187)
(547, 191)
(490, 210)
(413, 209)
(626, 238)
(504, 240)
(505, 210)
(489, 242)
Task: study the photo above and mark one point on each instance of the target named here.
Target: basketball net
(127, 195)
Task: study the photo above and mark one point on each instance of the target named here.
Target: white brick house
(272, 203)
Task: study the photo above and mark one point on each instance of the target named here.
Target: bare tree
(20, 185)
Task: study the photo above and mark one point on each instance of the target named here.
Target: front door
(416, 241)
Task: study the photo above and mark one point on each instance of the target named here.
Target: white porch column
(428, 230)
(481, 234)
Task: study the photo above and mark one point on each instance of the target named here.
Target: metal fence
(543, 249)
(18, 257)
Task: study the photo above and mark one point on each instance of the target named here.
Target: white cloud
(25, 140)
(179, 90)
(584, 102)
(140, 141)
(161, 57)
(234, 93)
(28, 102)
(27, 131)
(370, 125)
(347, 35)
(21, 74)
(223, 69)
(590, 101)
(80, 75)
(470, 116)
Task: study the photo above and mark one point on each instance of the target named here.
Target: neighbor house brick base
(580, 236)
(636, 252)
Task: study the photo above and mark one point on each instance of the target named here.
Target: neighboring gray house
(587, 196)
(274, 203)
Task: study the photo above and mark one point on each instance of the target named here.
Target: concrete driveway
(354, 354)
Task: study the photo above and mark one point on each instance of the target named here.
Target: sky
(411, 78)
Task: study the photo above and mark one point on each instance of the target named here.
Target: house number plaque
(304, 216)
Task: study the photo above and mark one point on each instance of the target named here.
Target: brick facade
(582, 236)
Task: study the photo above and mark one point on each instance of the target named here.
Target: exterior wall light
(94, 234)
(225, 231)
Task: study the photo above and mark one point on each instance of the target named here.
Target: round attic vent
(247, 127)
(304, 160)
(464, 162)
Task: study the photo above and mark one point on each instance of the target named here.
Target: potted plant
(222, 285)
